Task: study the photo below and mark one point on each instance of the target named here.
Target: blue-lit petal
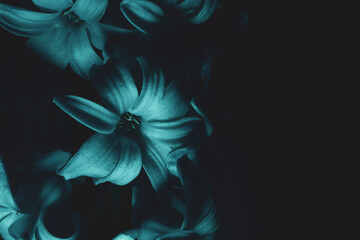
(179, 235)
(24, 227)
(82, 55)
(96, 158)
(52, 189)
(90, 114)
(152, 91)
(52, 44)
(129, 159)
(200, 214)
(174, 134)
(39, 191)
(197, 12)
(5, 223)
(51, 161)
(153, 228)
(96, 35)
(189, 151)
(24, 22)
(155, 167)
(53, 5)
(122, 236)
(173, 104)
(90, 11)
(157, 103)
(6, 197)
(116, 86)
(144, 15)
(200, 107)
(43, 234)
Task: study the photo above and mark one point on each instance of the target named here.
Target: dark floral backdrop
(285, 108)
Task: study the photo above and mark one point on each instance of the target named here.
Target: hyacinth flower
(151, 17)
(27, 221)
(133, 130)
(199, 222)
(67, 32)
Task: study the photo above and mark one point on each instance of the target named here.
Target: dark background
(284, 103)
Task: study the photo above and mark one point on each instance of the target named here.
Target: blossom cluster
(147, 120)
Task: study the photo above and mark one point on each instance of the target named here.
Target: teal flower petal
(179, 235)
(24, 227)
(82, 55)
(90, 114)
(122, 236)
(153, 229)
(128, 155)
(200, 107)
(105, 156)
(51, 161)
(144, 15)
(53, 5)
(52, 44)
(155, 167)
(97, 35)
(24, 22)
(90, 11)
(116, 87)
(173, 104)
(174, 134)
(8, 207)
(197, 12)
(5, 223)
(152, 91)
(43, 234)
(159, 103)
(6, 197)
(174, 155)
(200, 214)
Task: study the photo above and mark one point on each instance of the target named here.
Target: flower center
(71, 16)
(128, 123)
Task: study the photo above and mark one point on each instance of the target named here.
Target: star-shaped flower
(67, 32)
(134, 130)
(26, 222)
(151, 16)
